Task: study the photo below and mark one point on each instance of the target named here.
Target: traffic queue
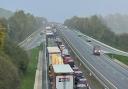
(63, 73)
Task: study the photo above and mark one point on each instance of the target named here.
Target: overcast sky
(59, 10)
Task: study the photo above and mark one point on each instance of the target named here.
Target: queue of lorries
(63, 73)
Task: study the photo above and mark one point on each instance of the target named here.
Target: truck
(56, 59)
(62, 77)
(52, 50)
(48, 28)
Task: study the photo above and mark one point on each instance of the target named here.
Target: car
(80, 35)
(96, 50)
(65, 27)
(81, 86)
(78, 75)
(62, 47)
(75, 68)
(41, 33)
(83, 81)
(66, 58)
(65, 52)
(71, 63)
(88, 40)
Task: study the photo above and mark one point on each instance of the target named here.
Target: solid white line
(21, 43)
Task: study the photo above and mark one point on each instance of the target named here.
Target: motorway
(102, 66)
(105, 48)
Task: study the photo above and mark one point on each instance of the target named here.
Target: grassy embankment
(27, 81)
(120, 58)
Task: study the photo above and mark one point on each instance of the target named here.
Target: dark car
(75, 68)
(82, 84)
(83, 81)
(88, 40)
(78, 75)
(96, 50)
(71, 63)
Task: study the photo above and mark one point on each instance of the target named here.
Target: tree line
(22, 24)
(95, 27)
(13, 59)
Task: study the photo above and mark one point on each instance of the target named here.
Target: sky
(59, 10)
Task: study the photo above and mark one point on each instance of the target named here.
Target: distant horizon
(59, 10)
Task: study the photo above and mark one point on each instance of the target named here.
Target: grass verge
(121, 58)
(27, 80)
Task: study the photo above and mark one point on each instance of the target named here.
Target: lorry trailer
(62, 77)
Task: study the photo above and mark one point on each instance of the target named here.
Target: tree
(123, 41)
(9, 77)
(22, 25)
(2, 33)
(96, 28)
(18, 56)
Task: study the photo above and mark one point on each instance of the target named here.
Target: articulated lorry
(62, 77)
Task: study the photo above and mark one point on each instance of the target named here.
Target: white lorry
(62, 77)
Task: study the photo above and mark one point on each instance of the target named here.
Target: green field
(27, 81)
(121, 58)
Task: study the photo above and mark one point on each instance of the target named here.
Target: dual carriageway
(110, 74)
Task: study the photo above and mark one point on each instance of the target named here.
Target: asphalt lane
(105, 48)
(45, 83)
(113, 72)
(34, 42)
